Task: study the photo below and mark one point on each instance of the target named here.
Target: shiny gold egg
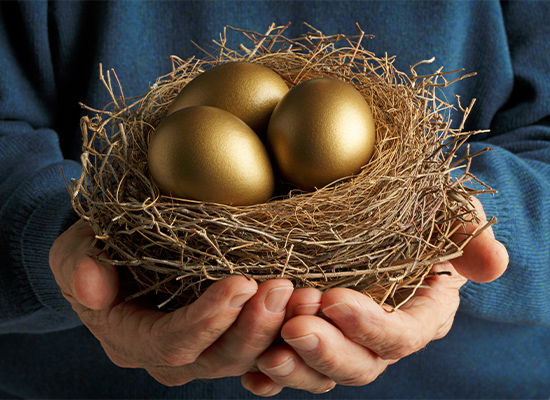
(208, 154)
(248, 90)
(322, 130)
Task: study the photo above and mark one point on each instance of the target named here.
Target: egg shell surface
(208, 154)
(248, 90)
(322, 130)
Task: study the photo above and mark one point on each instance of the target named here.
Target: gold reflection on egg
(208, 154)
(322, 130)
(248, 90)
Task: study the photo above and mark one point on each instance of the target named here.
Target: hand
(362, 339)
(220, 334)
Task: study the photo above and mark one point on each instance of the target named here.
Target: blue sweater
(499, 346)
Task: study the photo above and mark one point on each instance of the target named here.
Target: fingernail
(338, 311)
(306, 343)
(277, 298)
(282, 369)
(239, 300)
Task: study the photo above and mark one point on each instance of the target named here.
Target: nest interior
(379, 232)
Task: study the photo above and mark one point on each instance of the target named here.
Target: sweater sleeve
(34, 203)
(41, 80)
(519, 169)
(35, 211)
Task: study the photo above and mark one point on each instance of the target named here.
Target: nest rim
(119, 209)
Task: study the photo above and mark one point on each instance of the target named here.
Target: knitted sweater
(50, 54)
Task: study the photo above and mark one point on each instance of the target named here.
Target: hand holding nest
(220, 334)
(362, 339)
(392, 233)
(231, 328)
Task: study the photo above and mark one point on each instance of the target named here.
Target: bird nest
(379, 232)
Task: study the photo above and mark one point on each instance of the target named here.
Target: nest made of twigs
(378, 232)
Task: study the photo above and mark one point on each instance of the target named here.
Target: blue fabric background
(50, 55)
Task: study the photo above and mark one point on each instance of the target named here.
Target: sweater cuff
(40, 212)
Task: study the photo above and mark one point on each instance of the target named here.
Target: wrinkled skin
(362, 339)
(231, 328)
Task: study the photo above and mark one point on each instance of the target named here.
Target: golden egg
(249, 91)
(208, 154)
(322, 130)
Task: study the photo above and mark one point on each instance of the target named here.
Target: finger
(85, 282)
(94, 285)
(235, 351)
(139, 337)
(394, 335)
(440, 299)
(181, 336)
(304, 301)
(324, 348)
(260, 384)
(74, 243)
(484, 258)
(285, 368)
(256, 328)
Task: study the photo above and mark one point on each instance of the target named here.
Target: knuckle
(410, 345)
(90, 317)
(217, 368)
(168, 377)
(444, 329)
(236, 367)
(258, 339)
(93, 321)
(406, 345)
(171, 355)
(213, 327)
(332, 362)
(360, 378)
(117, 360)
(176, 357)
(225, 364)
(171, 351)
(374, 337)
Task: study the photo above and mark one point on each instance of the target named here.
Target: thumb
(94, 285)
(484, 258)
(84, 281)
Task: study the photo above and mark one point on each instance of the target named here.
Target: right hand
(357, 339)
(221, 334)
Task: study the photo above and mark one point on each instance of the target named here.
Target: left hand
(220, 334)
(362, 339)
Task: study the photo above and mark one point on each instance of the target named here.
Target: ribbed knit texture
(50, 55)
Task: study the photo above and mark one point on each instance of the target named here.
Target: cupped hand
(221, 334)
(360, 339)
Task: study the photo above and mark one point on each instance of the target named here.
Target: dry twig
(379, 232)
